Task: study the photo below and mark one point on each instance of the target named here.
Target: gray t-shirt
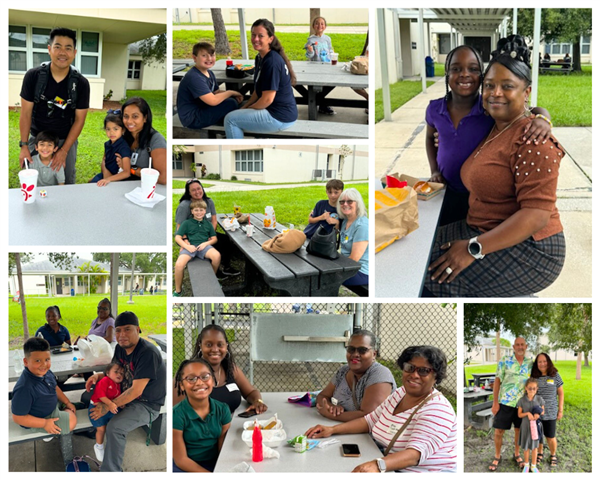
(376, 373)
(143, 157)
(183, 211)
(46, 176)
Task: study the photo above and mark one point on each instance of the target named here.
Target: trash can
(72, 292)
(429, 67)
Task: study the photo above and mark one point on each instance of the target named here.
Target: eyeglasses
(103, 308)
(349, 202)
(114, 112)
(532, 389)
(422, 371)
(204, 377)
(361, 350)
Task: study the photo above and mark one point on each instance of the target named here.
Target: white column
(537, 24)
(385, 80)
(421, 52)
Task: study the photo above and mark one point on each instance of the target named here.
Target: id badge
(393, 428)
(550, 381)
(232, 387)
(134, 158)
(334, 401)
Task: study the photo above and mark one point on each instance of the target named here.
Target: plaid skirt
(521, 270)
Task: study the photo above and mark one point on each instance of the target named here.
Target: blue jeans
(213, 115)
(256, 121)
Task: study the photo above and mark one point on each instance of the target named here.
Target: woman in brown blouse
(511, 243)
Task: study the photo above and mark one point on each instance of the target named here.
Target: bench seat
(203, 279)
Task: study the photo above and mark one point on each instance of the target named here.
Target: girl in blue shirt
(53, 331)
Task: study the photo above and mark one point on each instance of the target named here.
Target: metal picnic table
(161, 340)
(86, 214)
(470, 398)
(299, 274)
(312, 79)
(296, 420)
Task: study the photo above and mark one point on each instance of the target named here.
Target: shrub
(213, 176)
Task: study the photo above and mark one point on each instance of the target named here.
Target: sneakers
(176, 294)
(526, 469)
(99, 452)
(534, 469)
(326, 110)
(48, 439)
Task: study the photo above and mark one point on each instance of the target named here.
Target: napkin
(135, 196)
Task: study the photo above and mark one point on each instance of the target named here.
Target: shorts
(197, 254)
(103, 420)
(63, 421)
(507, 416)
(549, 427)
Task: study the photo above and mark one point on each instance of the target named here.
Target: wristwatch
(22, 144)
(475, 248)
(381, 465)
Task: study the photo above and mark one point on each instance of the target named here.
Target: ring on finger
(448, 270)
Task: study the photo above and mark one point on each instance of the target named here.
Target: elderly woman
(550, 388)
(104, 324)
(354, 233)
(52, 331)
(272, 106)
(144, 141)
(359, 387)
(511, 243)
(416, 424)
(230, 382)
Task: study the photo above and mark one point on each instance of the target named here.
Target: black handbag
(323, 244)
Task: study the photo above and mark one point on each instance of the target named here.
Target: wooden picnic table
(296, 419)
(470, 398)
(86, 214)
(299, 274)
(312, 79)
(401, 267)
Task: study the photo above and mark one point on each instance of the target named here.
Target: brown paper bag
(360, 66)
(396, 215)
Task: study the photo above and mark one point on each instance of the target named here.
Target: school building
(281, 16)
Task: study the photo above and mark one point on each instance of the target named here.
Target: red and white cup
(28, 182)
(249, 230)
(149, 179)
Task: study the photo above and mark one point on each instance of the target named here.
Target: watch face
(474, 248)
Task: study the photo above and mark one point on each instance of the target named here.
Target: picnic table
(470, 398)
(312, 79)
(161, 340)
(401, 267)
(480, 378)
(562, 67)
(86, 214)
(299, 274)
(296, 420)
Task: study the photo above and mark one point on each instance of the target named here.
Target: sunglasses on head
(349, 202)
(193, 180)
(114, 112)
(193, 379)
(422, 371)
(361, 350)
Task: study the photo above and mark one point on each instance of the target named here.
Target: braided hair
(228, 363)
(276, 45)
(513, 53)
(449, 61)
(185, 363)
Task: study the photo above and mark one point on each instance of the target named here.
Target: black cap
(127, 318)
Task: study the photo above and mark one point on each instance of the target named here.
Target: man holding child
(55, 98)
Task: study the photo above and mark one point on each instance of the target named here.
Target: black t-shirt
(144, 362)
(60, 120)
(229, 394)
(271, 73)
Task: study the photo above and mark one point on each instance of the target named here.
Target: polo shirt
(271, 73)
(321, 207)
(34, 395)
(55, 339)
(111, 149)
(197, 231)
(201, 437)
(46, 176)
(512, 376)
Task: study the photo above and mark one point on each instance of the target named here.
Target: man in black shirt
(55, 98)
(143, 389)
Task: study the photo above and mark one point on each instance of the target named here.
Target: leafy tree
(12, 260)
(503, 342)
(154, 262)
(221, 39)
(62, 260)
(94, 280)
(572, 330)
(154, 49)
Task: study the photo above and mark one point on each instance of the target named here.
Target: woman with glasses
(354, 234)
(199, 421)
(104, 324)
(415, 426)
(360, 386)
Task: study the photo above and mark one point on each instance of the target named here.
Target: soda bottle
(257, 446)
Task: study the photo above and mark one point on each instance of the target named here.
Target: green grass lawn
(91, 141)
(181, 184)
(346, 44)
(400, 93)
(78, 313)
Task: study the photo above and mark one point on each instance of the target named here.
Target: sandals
(540, 458)
(519, 461)
(494, 466)
(553, 461)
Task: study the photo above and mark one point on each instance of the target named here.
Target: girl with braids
(55, 333)
(511, 243)
(230, 382)
(461, 123)
(272, 106)
(196, 444)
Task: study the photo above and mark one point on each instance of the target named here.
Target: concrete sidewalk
(219, 186)
(400, 147)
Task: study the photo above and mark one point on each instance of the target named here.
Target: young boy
(325, 211)
(200, 103)
(36, 396)
(201, 236)
(106, 390)
(46, 144)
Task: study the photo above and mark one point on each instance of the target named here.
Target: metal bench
(300, 129)
(203, 279)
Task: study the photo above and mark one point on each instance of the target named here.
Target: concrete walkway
(218, 186)
(400, 147)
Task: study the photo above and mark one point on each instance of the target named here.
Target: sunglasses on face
(102, 308)
(349, 202)
(193, 379)
(422, 371)
(361, 350)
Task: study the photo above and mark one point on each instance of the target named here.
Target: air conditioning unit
(317, 174)
(330, 174)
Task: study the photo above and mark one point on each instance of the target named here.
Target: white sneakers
(99, 451)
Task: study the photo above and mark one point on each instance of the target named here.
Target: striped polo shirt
(547, 389)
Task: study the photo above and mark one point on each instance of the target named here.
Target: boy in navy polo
(325, 211)
(36, 396)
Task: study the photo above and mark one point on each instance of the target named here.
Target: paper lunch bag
(396, 215)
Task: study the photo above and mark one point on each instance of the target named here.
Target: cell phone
(249, 414)
(350, 450)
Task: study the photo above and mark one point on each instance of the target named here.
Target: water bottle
(257, 447)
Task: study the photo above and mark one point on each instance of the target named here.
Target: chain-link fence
(397, 326)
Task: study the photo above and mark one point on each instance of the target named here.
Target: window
(585, 44)
(89, 53)
(134, 69)
(444, 43)
(177, 162)
(249, 161)
(559, 48)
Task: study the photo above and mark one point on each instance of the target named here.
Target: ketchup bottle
(257, 446)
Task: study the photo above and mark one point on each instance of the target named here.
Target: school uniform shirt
(55, 339)
(547, 389)
(512, 376)
(358, 232)
(197, 231)
(201, 436)
(144, 362)
(183, 211)
(432, 431)
(194, 85)
(271, 73)
(46, 176)
(106, 387)
(321, 207)
(110, 154)
(34, 395)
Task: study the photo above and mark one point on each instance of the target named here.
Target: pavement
(400, 147)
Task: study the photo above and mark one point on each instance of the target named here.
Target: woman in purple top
(104, 324)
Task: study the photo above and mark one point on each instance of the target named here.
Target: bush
(213, 176)
(234, 178)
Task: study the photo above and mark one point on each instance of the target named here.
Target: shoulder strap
(73, 83)
(40, 86)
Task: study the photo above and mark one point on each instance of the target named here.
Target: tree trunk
(314, 12)
(586, 359)
(577, 55)
(22, 297)
(578, 367)
(221, 40)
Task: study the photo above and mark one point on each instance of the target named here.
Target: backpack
(42, 82)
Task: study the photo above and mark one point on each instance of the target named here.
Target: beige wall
(154, 76)
(114, 69)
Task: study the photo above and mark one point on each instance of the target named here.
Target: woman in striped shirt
(424, 417)
(551, 390)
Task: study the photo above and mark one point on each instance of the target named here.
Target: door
(59, 286)
(482, 44)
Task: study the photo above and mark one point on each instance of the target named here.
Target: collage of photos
(458, 166)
